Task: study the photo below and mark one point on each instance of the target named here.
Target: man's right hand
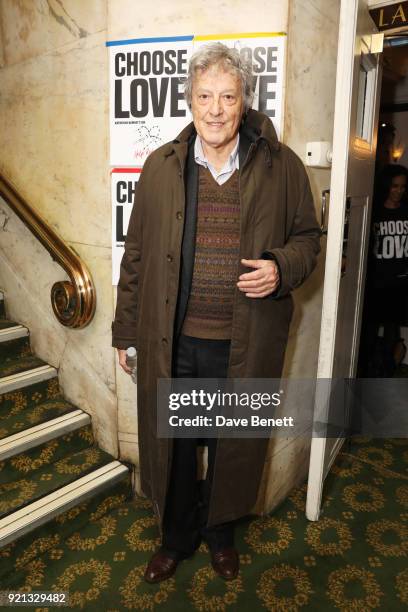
(122, 361)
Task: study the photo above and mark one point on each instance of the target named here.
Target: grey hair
(230, 60)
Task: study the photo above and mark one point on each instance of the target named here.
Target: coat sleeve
(298, 257)
(125, 323)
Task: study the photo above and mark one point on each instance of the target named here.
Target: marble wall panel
(54, 135)
(127, 402)
(30, 28)
(286, 468)
(129, 449)
(1, 44)
(313, 29)
(129, 19)
(312, 33)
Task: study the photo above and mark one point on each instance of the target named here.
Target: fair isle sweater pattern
(209, 309)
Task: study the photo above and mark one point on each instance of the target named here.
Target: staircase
(53, 476)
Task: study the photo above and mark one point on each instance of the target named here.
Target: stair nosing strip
(25, 377)
(51, 426)
(40, 505)
(18, 375)
(29, 523)
(15, 331)
(43, 425)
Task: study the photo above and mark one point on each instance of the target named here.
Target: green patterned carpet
(32, 405)
(16, 356)
(353, 559)
(43, 480)
(47, 456)
(6, 324)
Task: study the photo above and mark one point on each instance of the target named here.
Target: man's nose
(216, 107)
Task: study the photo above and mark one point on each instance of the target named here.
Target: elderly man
(222, 229)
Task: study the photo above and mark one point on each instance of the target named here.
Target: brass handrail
(74, 301)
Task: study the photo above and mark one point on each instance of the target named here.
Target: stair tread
(49, 478)
(115, 533)
(13, 350)
(6, 323)
(13, 421)
(15, 365)
(23, 464)
(18, 554)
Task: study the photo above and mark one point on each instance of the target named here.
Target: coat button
(179, 215)
(169, 258)
(167, 300)
(164, 341)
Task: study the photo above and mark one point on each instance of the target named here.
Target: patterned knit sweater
(209, 309)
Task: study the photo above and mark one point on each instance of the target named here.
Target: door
(358, 83)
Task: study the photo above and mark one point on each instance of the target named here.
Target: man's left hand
(262, 281)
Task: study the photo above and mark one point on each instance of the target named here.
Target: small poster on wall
(147, 106)
(124, 183)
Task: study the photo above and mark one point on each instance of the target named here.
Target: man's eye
(229, 98)
(203, 97)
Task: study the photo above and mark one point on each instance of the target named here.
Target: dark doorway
(384, 330)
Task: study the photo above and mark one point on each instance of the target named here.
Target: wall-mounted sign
(123, 188)
(391, 16)
(147, 106)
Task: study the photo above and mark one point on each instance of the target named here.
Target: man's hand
(122, 360)
(262, 281)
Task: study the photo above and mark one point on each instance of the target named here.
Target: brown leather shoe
(225, 563)
(160, 567)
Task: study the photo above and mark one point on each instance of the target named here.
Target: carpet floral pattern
(354, 559)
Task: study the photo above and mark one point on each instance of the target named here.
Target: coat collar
(255, 128)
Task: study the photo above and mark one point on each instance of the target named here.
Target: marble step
(50, 476)
(70, 524)
(9, 330)
(32, 437)
(27, 377)
(25, 464)
(40, 511)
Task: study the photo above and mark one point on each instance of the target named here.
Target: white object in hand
(131, 360)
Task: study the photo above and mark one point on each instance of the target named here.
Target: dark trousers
(383, 306)
(187, 501)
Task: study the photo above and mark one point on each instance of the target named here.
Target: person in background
(387, 276)
(222, 229)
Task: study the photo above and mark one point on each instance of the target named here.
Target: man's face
(217, 106)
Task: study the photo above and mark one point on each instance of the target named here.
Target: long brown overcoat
(277, 216)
